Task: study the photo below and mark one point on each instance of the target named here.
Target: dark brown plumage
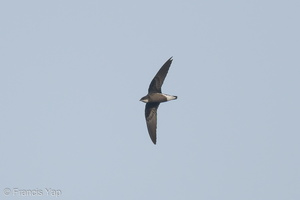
(158, 80)
(154, 98)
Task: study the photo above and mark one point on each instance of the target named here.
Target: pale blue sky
(72, 74)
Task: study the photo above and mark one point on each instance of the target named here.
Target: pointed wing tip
(153, 139)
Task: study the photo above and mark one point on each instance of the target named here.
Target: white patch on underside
(169, 97)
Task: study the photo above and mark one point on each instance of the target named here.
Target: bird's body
(157, 97)
(154, 98)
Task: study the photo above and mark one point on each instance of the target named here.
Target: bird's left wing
(158, 80)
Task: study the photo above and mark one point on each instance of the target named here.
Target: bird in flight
(155, 97)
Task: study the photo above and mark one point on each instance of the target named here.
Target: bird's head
(145, 99)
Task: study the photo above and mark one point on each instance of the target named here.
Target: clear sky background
(72, 74)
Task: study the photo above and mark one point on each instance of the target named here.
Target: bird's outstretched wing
(158, 80)
(151, 119)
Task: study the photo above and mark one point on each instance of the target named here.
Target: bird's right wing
(151, 119)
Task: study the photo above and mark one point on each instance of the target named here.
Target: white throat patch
(145, 100)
